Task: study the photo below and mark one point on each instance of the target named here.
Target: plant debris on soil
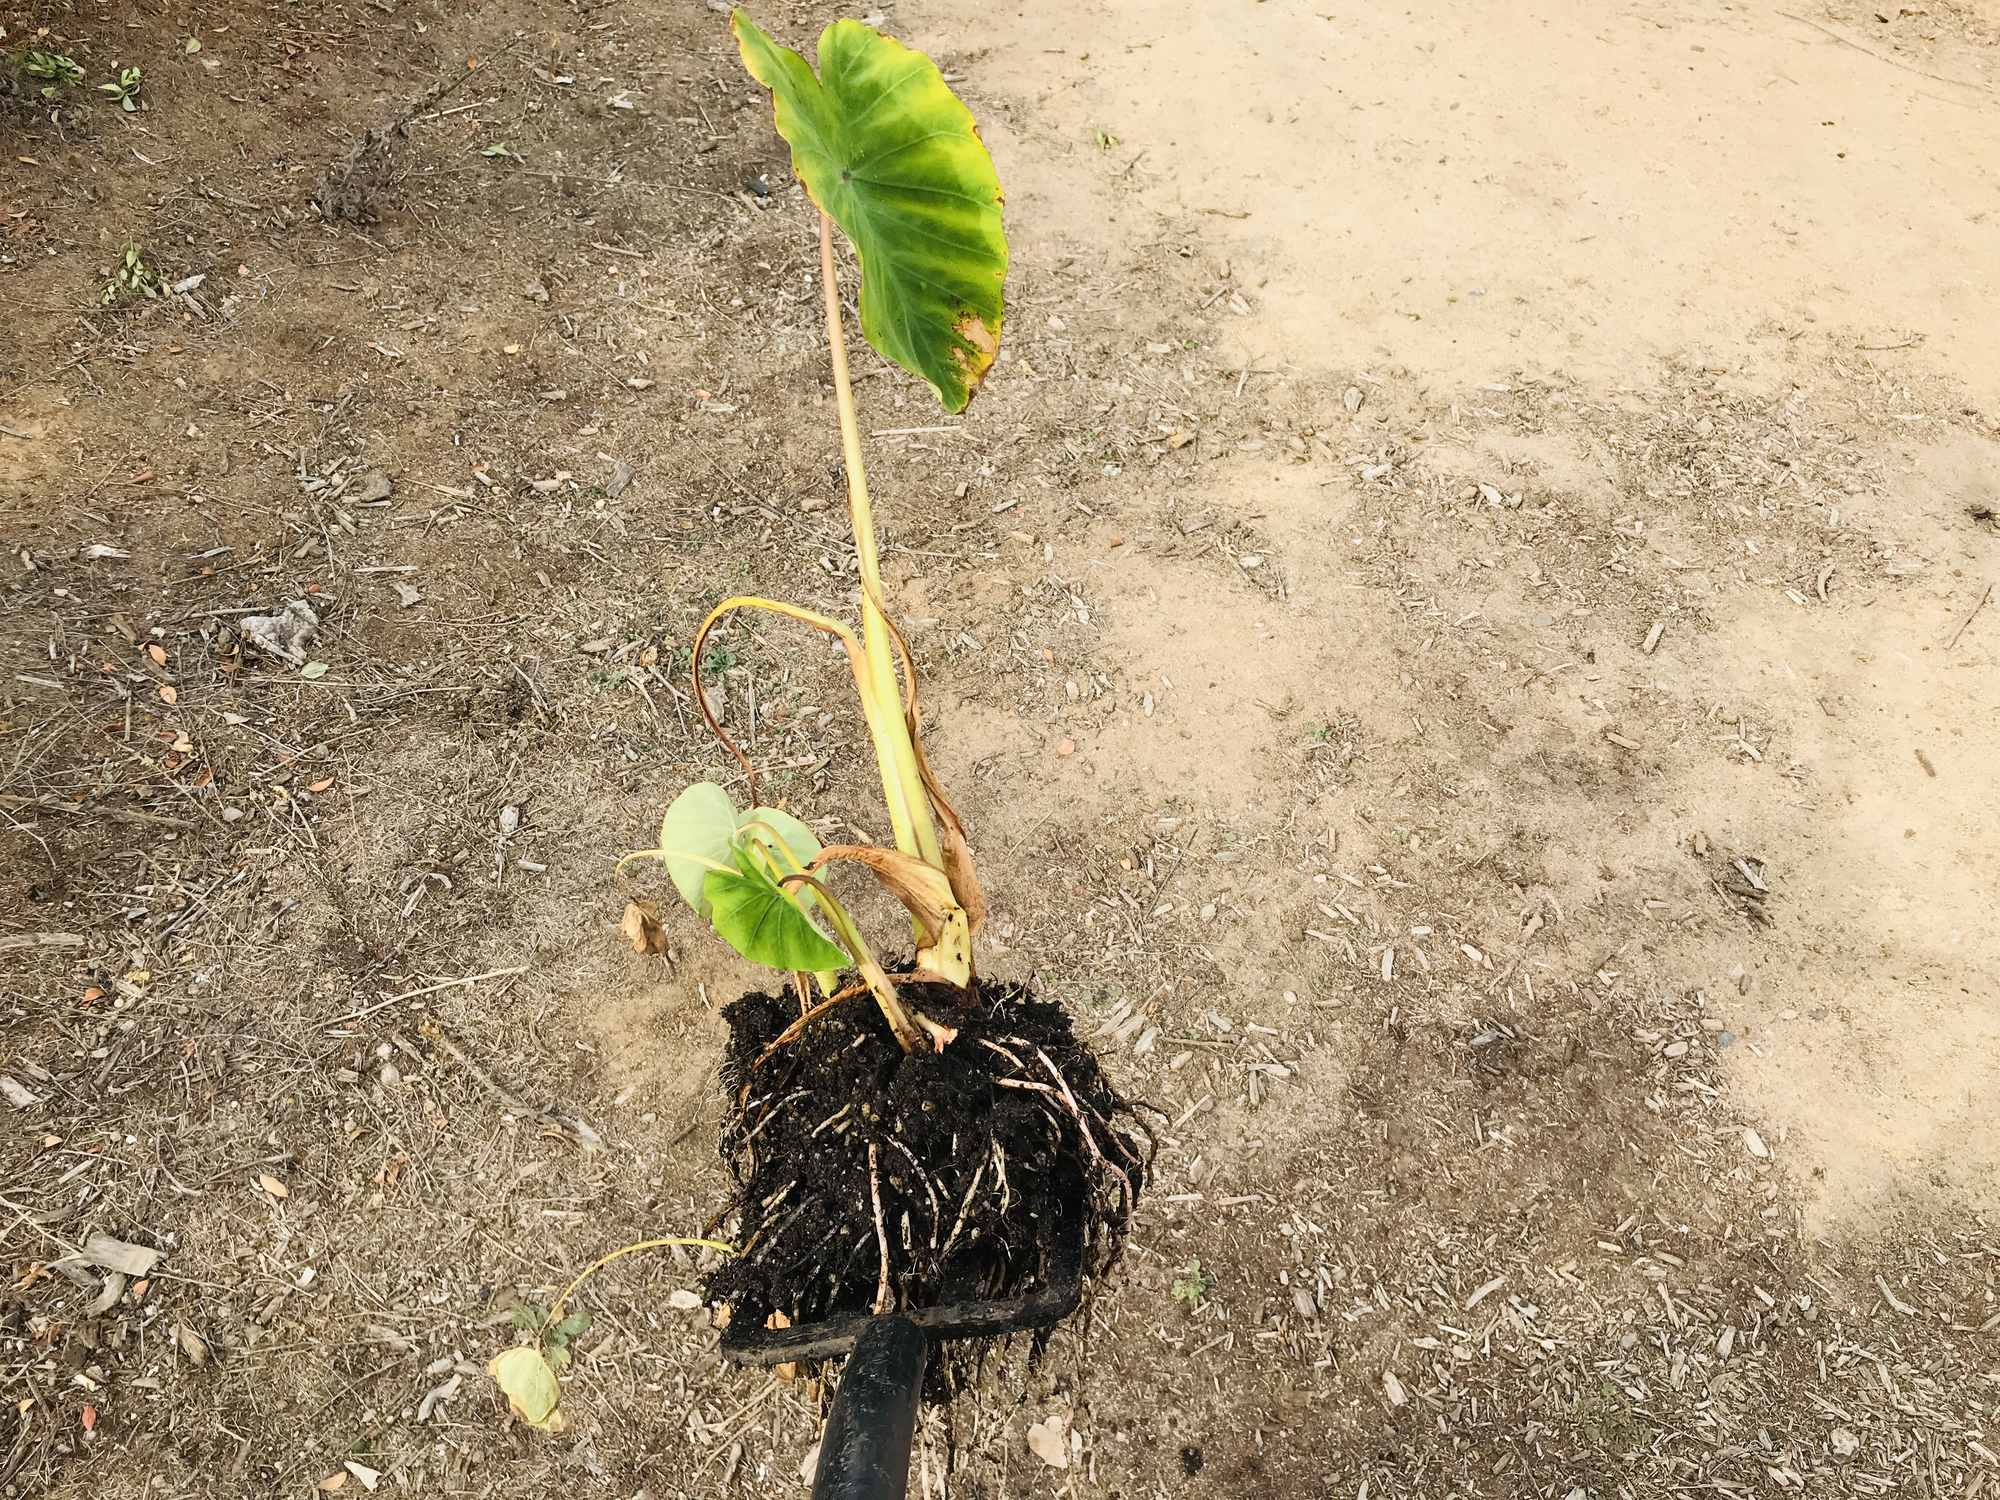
(978, 1166)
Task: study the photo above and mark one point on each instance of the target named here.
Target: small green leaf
(312, 671)
(696, 836)
(763, 924)
(893, 157)
(574, 1326)
(526, 1317)
(191, 46)
(500, 150)
(530, 1387)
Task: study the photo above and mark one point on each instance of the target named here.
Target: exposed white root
(884, 1299)
(924, 1178)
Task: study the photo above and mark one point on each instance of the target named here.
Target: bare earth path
(1462, 622)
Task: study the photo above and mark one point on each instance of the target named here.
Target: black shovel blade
(1045, 1307)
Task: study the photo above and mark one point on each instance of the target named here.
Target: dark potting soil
(994, 1157)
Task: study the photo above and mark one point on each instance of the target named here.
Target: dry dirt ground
(1461, 627)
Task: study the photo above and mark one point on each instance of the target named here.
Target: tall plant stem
(902, 782)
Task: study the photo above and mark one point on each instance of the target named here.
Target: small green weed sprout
(1192, 1286)
(53, 70)
(132, 277)
(125, 90)
(530, 1317)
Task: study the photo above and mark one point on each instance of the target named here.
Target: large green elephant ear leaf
(894, 158)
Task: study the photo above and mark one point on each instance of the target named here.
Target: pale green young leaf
(793, 834)
(894, 158)
(696, 835)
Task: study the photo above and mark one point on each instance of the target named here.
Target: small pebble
(390, 1075)
(231, 814)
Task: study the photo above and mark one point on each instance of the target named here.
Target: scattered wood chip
(371, 488)
(273, 1186)
(1049, 1441)
(1892, 1299)
(109, 1254)
(17, 1093)
(1754, 1144)
(788, 1371)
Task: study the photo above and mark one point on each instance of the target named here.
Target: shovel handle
(865, 1452)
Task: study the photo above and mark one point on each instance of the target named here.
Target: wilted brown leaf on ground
(642, 928)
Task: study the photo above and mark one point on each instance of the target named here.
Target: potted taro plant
(899, 1133)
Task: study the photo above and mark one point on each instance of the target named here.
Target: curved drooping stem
(902, 781)
(886, 726)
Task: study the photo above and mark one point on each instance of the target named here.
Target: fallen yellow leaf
(272, 1186)
(530, 1387)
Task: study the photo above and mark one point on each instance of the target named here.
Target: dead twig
(1985, 594)
(40, 940)
(429, 989)
(1894, 62)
